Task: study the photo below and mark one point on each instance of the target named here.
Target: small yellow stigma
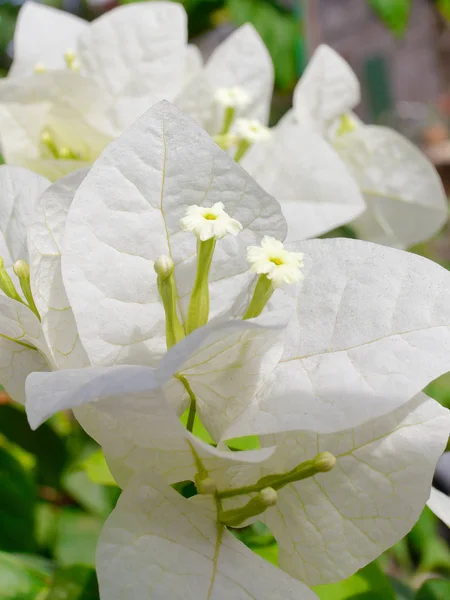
(39, 68)
(71, 60)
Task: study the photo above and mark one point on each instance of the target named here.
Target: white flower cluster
(327, 372)
(165, 281)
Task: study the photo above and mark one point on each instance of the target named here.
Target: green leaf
(432, 552)
(76, 538)
(370, 583)
(259, 538)
(20, 579)
(443, 7)
(434, 589)
(46, 516)
(94, 498)
(393, 13)
(17, 503)
(74, 583)
(439, 389)
(8, 16)
(49, 449)
(280, 33)
(402, 591)
(97, 469)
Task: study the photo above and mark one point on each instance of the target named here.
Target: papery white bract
(439, 503)
(291, 161)
(55, 121)
(339, 379)
(157, 541)
(406, 202)
(31, 226)
(316, 521)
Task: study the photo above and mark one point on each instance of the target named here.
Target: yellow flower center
(210, 217)
(276, 261)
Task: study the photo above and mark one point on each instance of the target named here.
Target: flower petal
(439, 503)
(42, 35)
(156, 543)
(406, 202)
(45, 237)
(126, 214)
(20, 190)
(137, 53)
(328, 88)
(331, 525)
(307, 177)
(371, 329)
(64, 100)
(23, 348)
(126, 410)
(243, 61)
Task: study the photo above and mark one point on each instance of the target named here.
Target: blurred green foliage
(393, 13)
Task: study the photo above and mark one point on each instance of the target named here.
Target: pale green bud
(268, 496)
(168, 292)
(325, 461)
(22, 269)
(164, 266)
(6, 284)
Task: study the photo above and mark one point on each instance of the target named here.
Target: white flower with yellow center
(251, 130)
(233, 97)
(274, 261)
(207, 223)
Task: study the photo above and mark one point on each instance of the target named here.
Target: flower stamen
(276, 267)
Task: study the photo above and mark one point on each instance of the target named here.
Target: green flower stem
(8, 287)
(22, 270)
(320, 464)
(253, 508)
(16, 341)
(261, 296)
(198, 311)
(168, 292)
(193, 403)
(242, 149)
(228, 119)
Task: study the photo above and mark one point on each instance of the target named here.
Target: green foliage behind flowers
(51, 511)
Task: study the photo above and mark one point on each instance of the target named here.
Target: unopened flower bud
(324, 462)
(22, 269)
(164, 266)
(268, 496)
